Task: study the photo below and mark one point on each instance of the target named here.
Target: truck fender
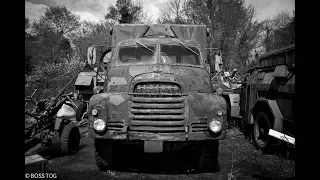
(274, 109)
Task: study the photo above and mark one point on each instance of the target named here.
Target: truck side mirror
(91, 58)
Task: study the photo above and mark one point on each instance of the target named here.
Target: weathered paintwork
(271, 88)
(195, 33)
(199, 108)
(163, 115)
(191, 79)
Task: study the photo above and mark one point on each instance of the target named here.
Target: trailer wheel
(260, 131)
(80, 111)
(103, 156)
(70, 139)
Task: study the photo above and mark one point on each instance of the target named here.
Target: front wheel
(209, 153)
(260, 131)
(103, 154)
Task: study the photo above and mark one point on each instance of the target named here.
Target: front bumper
(195, 136)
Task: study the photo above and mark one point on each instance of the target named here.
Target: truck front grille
(199, 126)
(157, 113)
(157, 87)
(115, 125)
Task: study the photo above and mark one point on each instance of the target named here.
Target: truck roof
(284, 55)
(186, 32)
(278, 51)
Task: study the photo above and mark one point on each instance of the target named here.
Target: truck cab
(157, 93)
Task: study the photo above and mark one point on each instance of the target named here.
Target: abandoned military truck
(267, 102)
(158, 95)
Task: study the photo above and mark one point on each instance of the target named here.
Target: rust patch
(117, 81)
(136, 70)
(116, 100)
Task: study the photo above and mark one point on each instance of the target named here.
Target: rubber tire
(209, 154)
(261, 119)
(80, 110)
(103, 154)
(70, 139)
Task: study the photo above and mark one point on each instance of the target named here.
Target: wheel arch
(271, 109)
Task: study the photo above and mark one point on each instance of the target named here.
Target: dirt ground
(238, 159)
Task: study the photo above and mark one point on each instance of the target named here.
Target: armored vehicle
(158, 95)
(267, 101)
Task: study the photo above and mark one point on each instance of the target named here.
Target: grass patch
(248, 160)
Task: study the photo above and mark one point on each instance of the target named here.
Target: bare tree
(52, 30)
(174, 13)
(278, 31)
(125, 11)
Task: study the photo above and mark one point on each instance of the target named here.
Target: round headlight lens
(94, 112)
(99, 124)
(215, 126)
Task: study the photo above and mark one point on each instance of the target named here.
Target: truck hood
(192, 79)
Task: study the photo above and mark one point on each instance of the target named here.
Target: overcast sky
(93, 10)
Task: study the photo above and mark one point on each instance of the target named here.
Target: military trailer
(158, 95)
(268, 97)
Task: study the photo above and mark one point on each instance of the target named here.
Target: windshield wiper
(144, 46)
(148, 48)
(186, 47)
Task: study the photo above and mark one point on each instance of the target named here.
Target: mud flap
(153, 146)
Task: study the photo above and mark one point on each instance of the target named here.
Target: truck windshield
(176, 54)
(137, 54)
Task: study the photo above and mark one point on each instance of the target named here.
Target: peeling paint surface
(117, 81)
(116, 99)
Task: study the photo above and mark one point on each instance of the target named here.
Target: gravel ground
(238, 159)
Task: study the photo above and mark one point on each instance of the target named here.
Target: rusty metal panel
(156, 129)
(157, 123)
(154, 106)
(166, 99)
(160, 117)
(157, 111)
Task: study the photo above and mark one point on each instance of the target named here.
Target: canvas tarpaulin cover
(197, 33)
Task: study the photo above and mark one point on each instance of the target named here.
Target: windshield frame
(158, 55)
(190, 46)
(118, 62)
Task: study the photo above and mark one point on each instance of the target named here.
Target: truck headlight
(94, 112)
(214, 126)
(99, 125)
